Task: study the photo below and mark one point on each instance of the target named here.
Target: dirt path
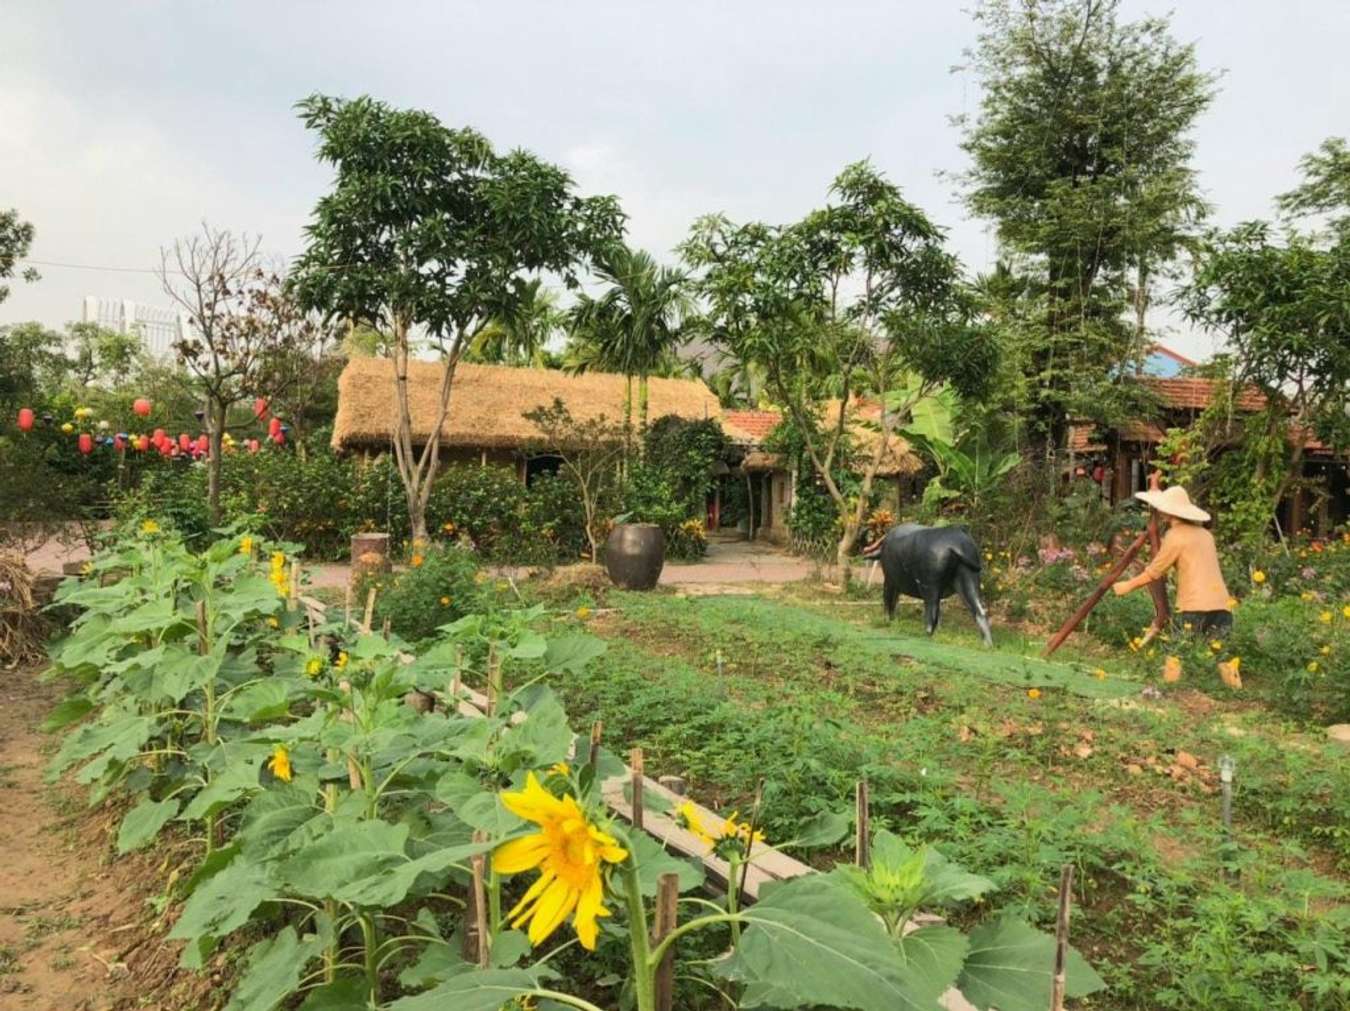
(73, 924)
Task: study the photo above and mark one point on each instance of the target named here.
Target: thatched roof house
(488, 402)
(751, 428)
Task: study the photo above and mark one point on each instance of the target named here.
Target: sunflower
(570, 853)
(280, 763)
(313, 666)
(246, 545)
(1258, 577)
(687, 817)
(341, 662)
(149, 527)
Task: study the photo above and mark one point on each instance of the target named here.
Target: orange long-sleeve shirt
(1200, 585)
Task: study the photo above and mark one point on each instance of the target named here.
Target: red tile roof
(750, 426)
(1196, 394)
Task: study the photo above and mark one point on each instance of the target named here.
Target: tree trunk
(642, 414)
(215, 432)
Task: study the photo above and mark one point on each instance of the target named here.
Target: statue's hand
(1121, 588)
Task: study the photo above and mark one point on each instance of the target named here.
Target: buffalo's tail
(969, 554)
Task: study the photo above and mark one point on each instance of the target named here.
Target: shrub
(649, 496)
(174, 496)
(440, 585)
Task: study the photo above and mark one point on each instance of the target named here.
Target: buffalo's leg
(932, 612)
(889, 595)
(968, 586)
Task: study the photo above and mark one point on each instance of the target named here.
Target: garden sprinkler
(719, 660)
(1226, 768)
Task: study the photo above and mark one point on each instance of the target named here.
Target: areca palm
(634, 325)
(521, 335)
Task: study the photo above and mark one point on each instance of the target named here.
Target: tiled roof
(750, 426)
(1196, 394)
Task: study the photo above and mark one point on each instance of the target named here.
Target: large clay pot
(634, 555)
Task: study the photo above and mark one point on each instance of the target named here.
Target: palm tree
(521, 337)
(634, 325)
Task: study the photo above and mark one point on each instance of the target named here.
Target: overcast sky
(124, 125)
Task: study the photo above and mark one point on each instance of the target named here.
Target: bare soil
(77, 930)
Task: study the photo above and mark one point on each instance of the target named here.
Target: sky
(123, 126)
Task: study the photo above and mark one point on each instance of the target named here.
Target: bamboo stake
(667, 906)
(203, 645)
(862, 840)
(484, 941)
(1083, 610)
(635, 761)
(597, 730)
(347, 607)
(293, 591)
(1057, 983)
(370, 611)
(494, 680)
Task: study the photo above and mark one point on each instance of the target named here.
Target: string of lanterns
(159, 441)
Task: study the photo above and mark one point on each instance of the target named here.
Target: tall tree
(522, 335)
(1081, 157)
(858, 298)
(633, 326)
(429, 231)
(16, 235)
(239, 324)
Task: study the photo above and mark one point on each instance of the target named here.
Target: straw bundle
(21, 627)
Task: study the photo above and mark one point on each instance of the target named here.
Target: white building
(157, 327)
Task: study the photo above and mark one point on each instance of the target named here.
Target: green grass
(816, 691)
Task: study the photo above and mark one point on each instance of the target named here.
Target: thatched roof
(488, 401)
(751, 428)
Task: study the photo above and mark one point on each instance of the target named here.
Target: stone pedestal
(370, 555)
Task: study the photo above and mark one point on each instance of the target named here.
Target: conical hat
(1175, 502)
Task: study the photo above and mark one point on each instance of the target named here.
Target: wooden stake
(293, 591)
(635, 762)
(370, 611)
(667, 907)
(494, 681)
(347, 607)
(1061, 938)
(388, 624)
(862, 839)
(203, 640)
(484, 940)
(597, 730)
(1083, 610)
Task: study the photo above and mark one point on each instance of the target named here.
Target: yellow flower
(1187, 627)
(733, 829)
(570, 853)
(416, 561)
(560, 769)
(313, 665)
(503, 586)
(1325, 617)
(1215, 645)
(687, 816)
(449, 528)
(280, 763)
(1033, 693)
(1325, 651)
(478, 577)
(1135, 644)
(1099, 674)
(1312, 666)
(1307, 596)
(273, 623)
(67, 427)
(341, 662)
(1172, 669)
(1345, 611)
(1258, 577)
(583, 612)
(246, 545)
(1232, 603)
(149, 527)
(277, 576)
(445, 602)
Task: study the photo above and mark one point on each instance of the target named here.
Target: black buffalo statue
(931, 563)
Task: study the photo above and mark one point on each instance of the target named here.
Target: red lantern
(184, 441)
(260, 408)
(119, 443)
(142, 443)
(203, 444)
(274, 428)
(158, 437)
(25, 419)
(141, 406)
(166, 447)
(279, 438)
(86, 443)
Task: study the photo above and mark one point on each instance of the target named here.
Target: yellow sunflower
(149, 527)
(313, 666)
(687, 817)
(570, 854)
(280, 763)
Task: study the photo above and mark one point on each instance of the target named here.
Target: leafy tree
(1081, 157)
(31, 365)
(101, 354)
(632, 327)
(429, 231)
(241, 323)
(858, 298)
(1326, 185)
(16, 236)
(588, 449)
(521, 336)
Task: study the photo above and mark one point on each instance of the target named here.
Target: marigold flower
(1258, 577)
(1325, 617)
(1307, 596)
(583, 612)
(1232, 603)
(280, 763)
(1215, 645)
(1033, 693)
(1345, 611)
(1325, 651)
(149, 527)
(570, 854)
(416, 561)
(341, 662)
(445, 602)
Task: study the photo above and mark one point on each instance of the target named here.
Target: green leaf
(484, 811)
(811, 940)
(824, 829)
(508, 948)
(272, 817)
(259, 702)
(653, 861)
(227, 786)
(542, 739)
(485, 990)
(66, 712)
(571, 653)
(225, 902)
(328, 867)
(437, 962)
(1010, 966)
(143, 822)
(390, 885)
(274, 970)
(346, 994)
(932, 957)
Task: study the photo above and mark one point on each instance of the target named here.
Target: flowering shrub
(439, 588)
